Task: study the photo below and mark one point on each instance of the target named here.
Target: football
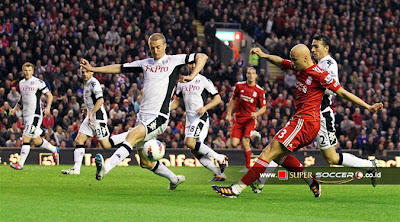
(153, 150)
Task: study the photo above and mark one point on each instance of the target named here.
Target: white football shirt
(195, 93)
(31, 91)
(160, 77)
(329, 64)
(93, 92)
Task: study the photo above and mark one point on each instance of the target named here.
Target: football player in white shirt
(160, 75)
(327, 134)
(195, 94)
(95, 122)
(31, 89)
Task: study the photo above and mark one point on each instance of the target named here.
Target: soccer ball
(153, 150)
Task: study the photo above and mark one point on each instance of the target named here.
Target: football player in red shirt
(305, 124)
(245, 99)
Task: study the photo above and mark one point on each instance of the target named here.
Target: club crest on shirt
(254, 94)
(309, 80)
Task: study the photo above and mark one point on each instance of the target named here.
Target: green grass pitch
(40, 193)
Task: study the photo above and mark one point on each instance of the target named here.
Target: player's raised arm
(110, 69)
(200, 61)
(276, 60)
(355, 99)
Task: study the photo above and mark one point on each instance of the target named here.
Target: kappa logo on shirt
(254, 94)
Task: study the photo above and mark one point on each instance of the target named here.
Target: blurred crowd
(54, 35)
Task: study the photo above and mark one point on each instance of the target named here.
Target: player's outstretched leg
(350, 160)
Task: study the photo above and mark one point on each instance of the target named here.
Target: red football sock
(247, 154)
(292, 164)
(255, 171)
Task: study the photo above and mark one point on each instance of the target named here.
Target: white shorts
(32, 126)
(98, 128)
(154, 124)
(198, 128)
(327, 132)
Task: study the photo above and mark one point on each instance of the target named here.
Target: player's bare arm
(276, 60)
(110, 69)
(213, 103)
(175, 103)
(96, 107)
(353, 98)
(229, 111)
(200, 61)
(49, 102)
(16, 107)
(259, 112)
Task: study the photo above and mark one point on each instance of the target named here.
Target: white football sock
(203, 149)
(120, 154)
(352, 161)
(160, 169)
(78, 157)
(46, 145)
(209, 164)
(24, 154)
(239, 187)
(118, 139)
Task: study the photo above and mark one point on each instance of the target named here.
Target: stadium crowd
(54, 35)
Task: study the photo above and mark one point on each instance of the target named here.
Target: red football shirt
(310, 85)
(247, 99)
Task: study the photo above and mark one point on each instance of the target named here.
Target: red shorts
(243, 128)
(298, 133)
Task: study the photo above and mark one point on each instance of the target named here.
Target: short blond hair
(157, 36)
(28, 64)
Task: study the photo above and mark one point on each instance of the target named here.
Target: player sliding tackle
(160, 76)
(305, 124)
(195, 94)
(31, 89)
(95, 122)
(327, 134)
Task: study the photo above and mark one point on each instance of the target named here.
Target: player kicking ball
(161, 73)
(302, 129)
(326, 137)
(245, 99)
(195, 94)
(31, 89)
(95, 122)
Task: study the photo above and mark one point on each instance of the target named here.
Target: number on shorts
(192, 128)
(282, 133)
(323, 139)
